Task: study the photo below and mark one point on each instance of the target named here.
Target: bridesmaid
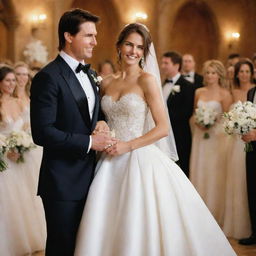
(34, 156)
(236, 217)
(13, 192)
(22, 90)
(207, 162)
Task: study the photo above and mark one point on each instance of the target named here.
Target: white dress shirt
(84, 82)
(190, 76)
(167, 88)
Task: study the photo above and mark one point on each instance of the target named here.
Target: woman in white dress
(208, 155)
(236, 217)
(21, 229)
(140, 202)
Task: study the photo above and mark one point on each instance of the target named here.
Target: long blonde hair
(28, 85)
(219, 69)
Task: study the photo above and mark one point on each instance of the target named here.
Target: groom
(64, 113)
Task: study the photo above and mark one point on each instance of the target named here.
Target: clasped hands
(102, 140)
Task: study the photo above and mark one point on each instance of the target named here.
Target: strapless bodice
(125, 116)
(9, 124)
(213, 104)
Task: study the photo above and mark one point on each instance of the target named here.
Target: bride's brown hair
(141, 30)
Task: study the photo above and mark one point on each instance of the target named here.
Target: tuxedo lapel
(91, 77)
(76, 89)
(172, 95)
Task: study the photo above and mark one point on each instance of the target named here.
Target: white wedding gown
(141, 203)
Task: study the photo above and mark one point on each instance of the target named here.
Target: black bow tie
(188, 75)
(168, 81)
(82, 67)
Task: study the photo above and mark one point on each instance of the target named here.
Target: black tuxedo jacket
(180, 107)
(198, 80)
(250, 97)
(61, 124)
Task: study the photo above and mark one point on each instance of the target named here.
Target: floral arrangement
(3, 147)
(205, 117)
(175, 89)
(97, 80)
(19, 142)
(35, 51)
(240, 120)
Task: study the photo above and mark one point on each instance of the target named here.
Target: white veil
(166, 144)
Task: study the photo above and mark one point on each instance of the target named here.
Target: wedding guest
(236, 217)
(34, 156)
(188, 71)
(106, 68)
(208, 155)
(251, 177)
(22, 90)
(179, 95)
(233, 58)
(21, 228)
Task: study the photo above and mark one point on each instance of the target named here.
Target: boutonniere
(175, 89)
(97, 80)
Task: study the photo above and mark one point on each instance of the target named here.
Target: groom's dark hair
(175, 57)
(70, 22)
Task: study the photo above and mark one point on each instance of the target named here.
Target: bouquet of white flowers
(205, 117)
(19, 142)
(3, 146)
(240, 120)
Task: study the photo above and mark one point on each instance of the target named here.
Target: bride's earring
(142, 62)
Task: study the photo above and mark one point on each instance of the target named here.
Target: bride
(140, 202)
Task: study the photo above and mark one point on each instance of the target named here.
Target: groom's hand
(102, 140)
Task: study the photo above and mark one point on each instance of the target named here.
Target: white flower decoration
(175, 89)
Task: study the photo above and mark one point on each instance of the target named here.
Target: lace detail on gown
(125, 116)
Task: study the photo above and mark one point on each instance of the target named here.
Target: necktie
(168, 81)
(82, 67)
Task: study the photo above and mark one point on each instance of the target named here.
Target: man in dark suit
(179, 94)
(64, 113)
(251, 176)
(188, 71)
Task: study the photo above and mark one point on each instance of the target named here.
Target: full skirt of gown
(141, 204)
(208, 171)
(22, 223)
(236, 218)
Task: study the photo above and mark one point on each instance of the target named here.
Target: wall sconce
(140, 16)
(232, 38)
(38, 20)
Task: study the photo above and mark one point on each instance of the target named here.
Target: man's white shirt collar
(175, 78)
(73, 63)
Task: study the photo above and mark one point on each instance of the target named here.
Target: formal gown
(22, 225)
(236, 217)
(208, 163)
(141, 203)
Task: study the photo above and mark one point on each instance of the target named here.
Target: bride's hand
(121, 147)
(101, 126)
